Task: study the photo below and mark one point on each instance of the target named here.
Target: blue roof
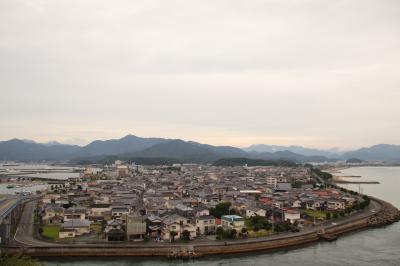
(232, 217)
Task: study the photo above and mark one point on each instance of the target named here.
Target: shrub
(328, 216)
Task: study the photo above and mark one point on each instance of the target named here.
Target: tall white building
(272, 181)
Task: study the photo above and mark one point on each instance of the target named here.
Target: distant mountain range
(381, 152)
(131, 147)
(332, 153)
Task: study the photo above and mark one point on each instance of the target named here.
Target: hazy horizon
(84, 143)
(312, 73)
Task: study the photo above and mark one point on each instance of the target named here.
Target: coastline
(343, 179)
(386, 214)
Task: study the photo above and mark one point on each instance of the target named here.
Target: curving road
(24, 235)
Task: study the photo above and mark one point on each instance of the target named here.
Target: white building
(252, 211)
(205, 225)
(291, 215)
(272, 181)
(232, 222)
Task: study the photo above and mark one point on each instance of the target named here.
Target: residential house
(135, 227)
(291, 215)
(201, 211)
(66, 233)
(178, 224)
(232, 222)
(115, 230)
(120, 212)
(205, 225)
(153, 225)
(336, 204)
(99, 209)
(254, 211)
(75, 213)
(184, 210)
(79, 226)
(53, 215)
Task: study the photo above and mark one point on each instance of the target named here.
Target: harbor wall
(386, 215)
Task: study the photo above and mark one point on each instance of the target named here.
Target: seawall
(386, 214)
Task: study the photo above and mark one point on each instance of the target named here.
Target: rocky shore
(386, 216)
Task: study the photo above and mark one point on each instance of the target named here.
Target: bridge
(11, 208)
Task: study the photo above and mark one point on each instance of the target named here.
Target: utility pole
(272, 220)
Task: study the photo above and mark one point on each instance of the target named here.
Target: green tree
(223, 208)
(18, 260)
(219, 231)
(282, 226)
(258, 222)
(186, 235)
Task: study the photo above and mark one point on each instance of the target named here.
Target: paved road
(24, 233)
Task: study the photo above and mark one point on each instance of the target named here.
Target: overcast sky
(313, 73)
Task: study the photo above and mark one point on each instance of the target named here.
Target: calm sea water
(21, 170)
(376, 247)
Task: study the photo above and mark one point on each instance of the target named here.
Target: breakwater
(386, 216)
(338, 181)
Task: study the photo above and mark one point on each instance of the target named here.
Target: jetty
(339, 181)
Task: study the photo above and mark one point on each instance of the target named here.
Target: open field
(51, 231)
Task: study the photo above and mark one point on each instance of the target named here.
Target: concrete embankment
(211, 248)
(385, 215)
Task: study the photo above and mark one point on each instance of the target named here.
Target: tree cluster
(226, 234)
(258, 222)
(223, 208)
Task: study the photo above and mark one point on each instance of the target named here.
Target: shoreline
(386, 214)
(343, 179)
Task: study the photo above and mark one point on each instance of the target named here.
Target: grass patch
(98, 228)
(51, 231)
(260, 233)
(321, 215)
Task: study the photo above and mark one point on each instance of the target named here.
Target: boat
(328, 237)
